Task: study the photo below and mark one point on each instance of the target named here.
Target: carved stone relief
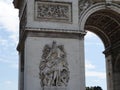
(84, 4)
(53, 11)
(53, 67)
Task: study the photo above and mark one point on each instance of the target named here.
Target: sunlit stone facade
(51, 42)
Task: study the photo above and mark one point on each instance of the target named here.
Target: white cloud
(94, 43)
(11, 63)
(7, 1)
(14, 38)
(9, 18)
(4, 60)
(9, 85)
(89, 65)
(8, 82)
(89, 35)
(101, 75)
(3, 41)
(91, 71)
(93, 39)
(14, 65)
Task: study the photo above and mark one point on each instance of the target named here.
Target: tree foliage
(94, 88)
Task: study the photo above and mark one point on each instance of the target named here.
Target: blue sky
(95, 61)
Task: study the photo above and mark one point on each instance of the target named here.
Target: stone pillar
(54, 61)
(116, 71)
(113, 67)
(109, 72)
(51, 46)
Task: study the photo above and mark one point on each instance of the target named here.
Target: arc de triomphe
(51, 42)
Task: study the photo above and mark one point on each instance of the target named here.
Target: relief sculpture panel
(53, 66)
(84, 4)
(53, 11)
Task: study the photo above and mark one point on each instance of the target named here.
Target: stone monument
(51, 42)
(51, 45)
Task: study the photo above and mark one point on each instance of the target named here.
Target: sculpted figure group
(53, 67)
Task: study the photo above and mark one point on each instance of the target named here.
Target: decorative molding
(56, 30)
(54, 33)
(112, 48)
(53, 11)
(53, 67)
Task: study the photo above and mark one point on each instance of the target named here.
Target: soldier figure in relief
(54, 67)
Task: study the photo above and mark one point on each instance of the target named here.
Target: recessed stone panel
(53, 11)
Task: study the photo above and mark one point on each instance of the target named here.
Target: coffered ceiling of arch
(105, 0)
(98, 0)
(106, 21)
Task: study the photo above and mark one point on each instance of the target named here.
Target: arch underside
(106, 24)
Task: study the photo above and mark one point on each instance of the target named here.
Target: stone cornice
(111, 48)
(55, 30)
(37, 32)
(16, 4)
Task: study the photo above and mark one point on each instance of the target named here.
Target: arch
(103, 13)
(103, 19)
(105, 39)
(94, 61)
(96, 7)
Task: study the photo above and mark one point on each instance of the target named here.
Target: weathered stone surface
(34, 51)
(66, 22)
(53, 11)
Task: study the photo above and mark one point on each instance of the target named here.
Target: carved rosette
(53, 67)
(53, 11)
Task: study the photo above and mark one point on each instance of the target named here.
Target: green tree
(94, 88)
